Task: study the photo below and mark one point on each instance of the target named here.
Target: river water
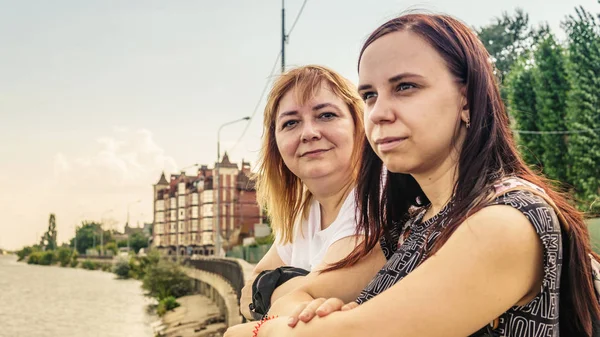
(39, 301)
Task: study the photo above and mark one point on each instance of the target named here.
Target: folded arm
(492, 262)
(345, 283)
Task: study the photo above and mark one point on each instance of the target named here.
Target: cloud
(124, 161)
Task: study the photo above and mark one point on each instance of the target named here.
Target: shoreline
(197, 316)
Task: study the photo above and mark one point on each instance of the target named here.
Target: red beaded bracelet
(260, 323)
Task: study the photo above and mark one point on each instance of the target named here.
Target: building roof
(226, 163)
(162, 180)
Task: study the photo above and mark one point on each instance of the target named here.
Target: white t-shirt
(307, 251)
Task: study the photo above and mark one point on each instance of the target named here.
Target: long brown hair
(487, 153)
(279, 191)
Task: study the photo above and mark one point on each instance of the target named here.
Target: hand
(241, 330)
(321, 307)
(246, 299)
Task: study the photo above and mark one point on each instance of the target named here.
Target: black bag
(264, 285)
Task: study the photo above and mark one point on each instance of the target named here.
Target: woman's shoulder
(530, 200)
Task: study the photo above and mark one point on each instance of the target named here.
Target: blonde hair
(281, 193)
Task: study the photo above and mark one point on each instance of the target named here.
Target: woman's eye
(327, 115)
(405, 86)
(368, 95)
(289, 124)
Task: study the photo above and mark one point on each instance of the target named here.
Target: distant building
(131, 230)
(184, 209)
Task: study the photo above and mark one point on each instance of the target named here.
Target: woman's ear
(465, 114)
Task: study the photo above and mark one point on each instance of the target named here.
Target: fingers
(349, 306)
(329, 306)
(309, 312)
(318, 307)
(293, 320)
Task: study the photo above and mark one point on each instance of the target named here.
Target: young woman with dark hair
(470, 233)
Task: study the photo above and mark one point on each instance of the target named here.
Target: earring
(468, 123)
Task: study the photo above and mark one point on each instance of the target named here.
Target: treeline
(552, 91)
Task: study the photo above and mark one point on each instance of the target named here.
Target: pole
(217, 187)
(283, 37)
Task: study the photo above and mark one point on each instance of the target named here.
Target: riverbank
(197, 316)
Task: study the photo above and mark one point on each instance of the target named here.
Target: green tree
(507, 39)
(551, 87)
(165, 279)
(583, 107)
(88, 235)
(522, 107)
(138, 241)
(48, 240)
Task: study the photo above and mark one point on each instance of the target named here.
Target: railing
(230, 270)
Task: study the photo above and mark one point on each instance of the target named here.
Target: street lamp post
(217, 186)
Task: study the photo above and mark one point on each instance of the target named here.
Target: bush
(89, 265)
(25, 252)
(135, 268)
(166, 279)
(106, 266)
(144, 262)
(64, 256)
(111, 246)
(121, 268)
(74, 263)
(48, 258)
(34, 258)
(166, 304)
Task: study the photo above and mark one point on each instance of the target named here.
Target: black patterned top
(538, 318)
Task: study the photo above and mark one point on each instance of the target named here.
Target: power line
(296, 20)
(268, 79)
(257, 103)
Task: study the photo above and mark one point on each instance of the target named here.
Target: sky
(98, 97)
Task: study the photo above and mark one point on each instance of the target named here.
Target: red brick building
(184, 209)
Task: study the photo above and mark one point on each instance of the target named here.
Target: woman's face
(413, 104)
(315, 139)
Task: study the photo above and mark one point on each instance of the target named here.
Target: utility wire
(264, 91)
